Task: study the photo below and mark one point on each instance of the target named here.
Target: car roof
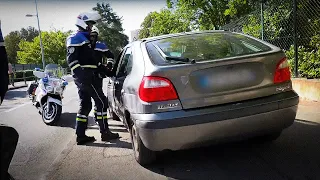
(180, 34)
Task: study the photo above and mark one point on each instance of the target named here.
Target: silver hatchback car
(183, 90)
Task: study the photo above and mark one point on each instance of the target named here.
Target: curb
(59, 159)
(17, 87)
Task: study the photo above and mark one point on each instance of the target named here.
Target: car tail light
(282, 73)
(153, 89)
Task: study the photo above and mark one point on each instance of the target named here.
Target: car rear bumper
(189, 128)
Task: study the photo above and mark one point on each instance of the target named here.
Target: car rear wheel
(142, 154)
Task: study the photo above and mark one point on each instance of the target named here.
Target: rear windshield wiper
(172, 58)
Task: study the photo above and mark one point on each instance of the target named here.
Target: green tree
(110, 27)
(54, 49)
(146, 25)
(12, 45)
(209, 14)
(29, 33)
(13, 39)
(164, 22)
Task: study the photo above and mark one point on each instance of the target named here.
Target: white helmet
(85, 17)
(95, 29)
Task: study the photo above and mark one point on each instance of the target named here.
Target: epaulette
(100, 46)
(77, 39)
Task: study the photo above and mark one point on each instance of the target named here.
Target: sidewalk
(18, 85)
(101, 160)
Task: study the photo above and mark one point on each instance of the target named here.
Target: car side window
(125, 65)
(118, 61)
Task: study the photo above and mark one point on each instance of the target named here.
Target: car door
(111, 89)
(123, 69)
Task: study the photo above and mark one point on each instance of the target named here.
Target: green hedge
(28, 74)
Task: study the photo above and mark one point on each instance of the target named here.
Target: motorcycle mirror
(67, 78)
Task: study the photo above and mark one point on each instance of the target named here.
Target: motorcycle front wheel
(52, 115)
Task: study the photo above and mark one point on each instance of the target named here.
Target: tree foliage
(12, 45)
(13, 39)
(187, 15)
(54, 49)
(163, 22)
(29, 33)
(110, 27)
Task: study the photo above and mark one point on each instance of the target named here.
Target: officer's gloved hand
(109, 66)
(103, 71)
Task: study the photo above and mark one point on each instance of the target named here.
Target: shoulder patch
(77, 39)
(71, 50)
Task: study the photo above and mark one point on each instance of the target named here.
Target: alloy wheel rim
(48, 115)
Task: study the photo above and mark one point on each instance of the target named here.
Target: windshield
(54, 70)
(204, 47)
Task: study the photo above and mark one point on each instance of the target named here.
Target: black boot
(108, 135)
(85, 139)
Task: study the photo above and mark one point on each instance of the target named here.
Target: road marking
(19, 106)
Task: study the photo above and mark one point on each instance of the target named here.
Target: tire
(142, 154)
(51, 117)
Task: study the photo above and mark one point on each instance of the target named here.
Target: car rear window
(204, 47)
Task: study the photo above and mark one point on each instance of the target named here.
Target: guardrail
(24, 78)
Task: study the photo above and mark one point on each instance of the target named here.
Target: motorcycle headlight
(58, 89)
(49, 88)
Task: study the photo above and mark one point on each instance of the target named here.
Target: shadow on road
(113, 143)
(67, 120)
(15, 94)
(294, 155)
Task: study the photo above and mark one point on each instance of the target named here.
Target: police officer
(8, 135)
(80, 58)
(101, 52)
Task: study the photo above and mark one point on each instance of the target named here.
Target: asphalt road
(295, 155)
(38, 144)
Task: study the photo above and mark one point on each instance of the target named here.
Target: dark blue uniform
(8, 135)
(101, 53)
(4, 77)
(83, 64)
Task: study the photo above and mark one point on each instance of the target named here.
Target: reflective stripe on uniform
(102, 50)
(102, 117)
(89, 66)
(81, 119)
(73, 63)
(75, 66)
(101, 113)
(82, 116)
(1, 43)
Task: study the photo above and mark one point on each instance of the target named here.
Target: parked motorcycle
(47, 92)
